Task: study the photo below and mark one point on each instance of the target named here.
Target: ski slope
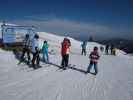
(113, 82)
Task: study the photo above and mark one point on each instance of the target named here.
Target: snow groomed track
(113, 82)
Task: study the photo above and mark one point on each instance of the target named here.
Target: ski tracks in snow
(113, 82)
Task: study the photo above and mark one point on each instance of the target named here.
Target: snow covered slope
(113, 82)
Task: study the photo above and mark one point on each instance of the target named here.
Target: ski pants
(25, 50)
(106, 51)
(90, 67)
(45, 57)
(84, 51)
(36, 58)
(111, 51)
(65, 59)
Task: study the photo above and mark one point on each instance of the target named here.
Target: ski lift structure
(13, 35)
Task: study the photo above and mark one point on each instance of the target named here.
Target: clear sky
(78, 18)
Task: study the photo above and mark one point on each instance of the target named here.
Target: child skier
(45, 52)
(65, 50)
(107, 49)
(111, 49)
(101, 48)
(83, 45)
(94, 56)
(114, 51)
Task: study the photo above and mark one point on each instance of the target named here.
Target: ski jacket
(107, 47)
(65, 47)
(35, 45)
(45, 48)
(94, 56)
(83, 45)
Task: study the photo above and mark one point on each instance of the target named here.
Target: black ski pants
(36, 58)
(91, 65)
(65, 59)
(83, 52)
(27, 51)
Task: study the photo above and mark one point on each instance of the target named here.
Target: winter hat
(45, 41)
(27, 35)
(36, 36)
(95, 48)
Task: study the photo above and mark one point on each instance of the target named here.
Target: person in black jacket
(83, 45)
(111, 49)
(26, 48)
(107, 49)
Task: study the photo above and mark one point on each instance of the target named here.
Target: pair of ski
(23, 61)
(93, 74)
(61, 69)
(29, 65)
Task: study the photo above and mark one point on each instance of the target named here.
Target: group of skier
(94, 55)
(110, 48)
(32, 45)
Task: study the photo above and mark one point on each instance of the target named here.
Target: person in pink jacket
(94, 57)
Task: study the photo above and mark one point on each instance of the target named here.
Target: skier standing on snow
(94, 56)
(35, 51)
(107, 49)
(111, 49)
(45, 52)
(65, 50)
(83, 45)
(26, 48)
(114, 51)
(101, 48)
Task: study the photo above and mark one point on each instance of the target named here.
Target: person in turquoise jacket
(45, 52)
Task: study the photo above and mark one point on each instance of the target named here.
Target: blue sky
(78, 18)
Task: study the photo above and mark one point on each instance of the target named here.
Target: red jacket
(65, 49)
(94, 56)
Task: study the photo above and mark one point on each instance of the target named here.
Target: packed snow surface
(113, 82)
